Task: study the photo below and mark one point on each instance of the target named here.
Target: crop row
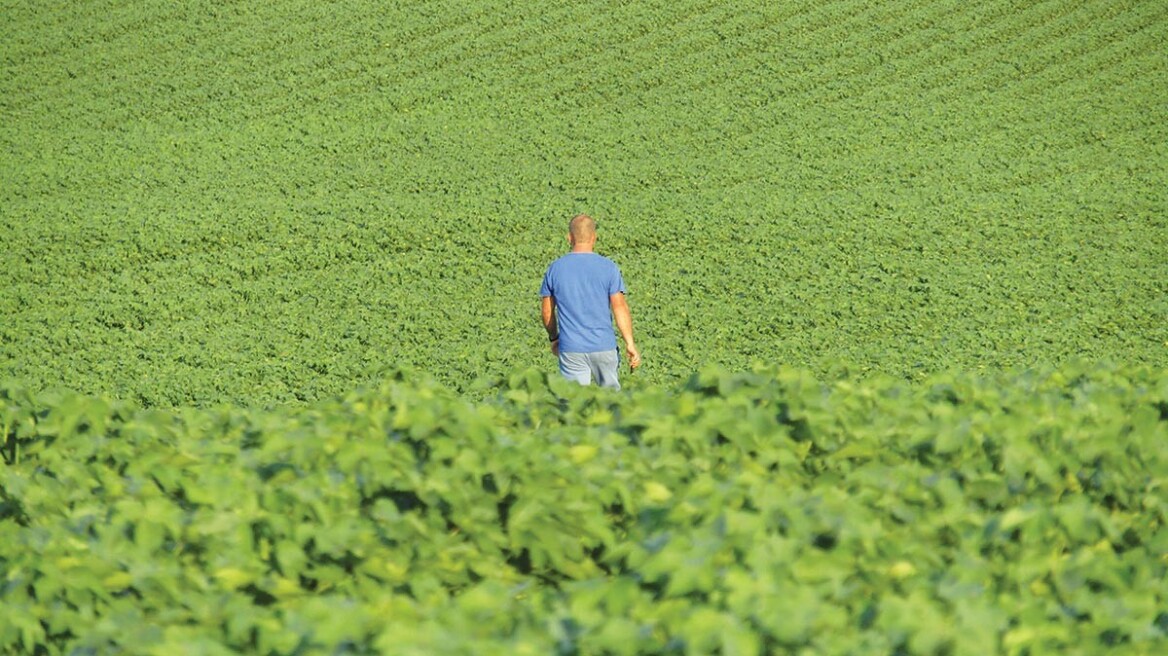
(741, 513)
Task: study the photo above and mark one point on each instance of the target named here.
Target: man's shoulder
(609, 265)
(581, 259)
(596, 259)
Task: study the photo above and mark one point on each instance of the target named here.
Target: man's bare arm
(547, 312)
(624, 323)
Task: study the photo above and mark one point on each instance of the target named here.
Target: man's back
(582, 294)
(581, 284)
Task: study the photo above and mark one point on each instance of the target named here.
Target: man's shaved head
(582, 228)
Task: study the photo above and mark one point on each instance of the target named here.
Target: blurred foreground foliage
(737, 513)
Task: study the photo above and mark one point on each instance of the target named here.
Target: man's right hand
(556, 348)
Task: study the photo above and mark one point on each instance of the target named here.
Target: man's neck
(581, 249)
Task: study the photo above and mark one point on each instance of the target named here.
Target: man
(582, 293)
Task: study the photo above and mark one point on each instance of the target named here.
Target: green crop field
(232, 203)
(272, 377)
(759, 512)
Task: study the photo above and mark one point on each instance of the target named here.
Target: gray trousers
(600, 367)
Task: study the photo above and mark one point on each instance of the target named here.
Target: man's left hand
(634, 356)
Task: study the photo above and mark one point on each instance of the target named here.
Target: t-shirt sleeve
(616, 282)
(545, 289)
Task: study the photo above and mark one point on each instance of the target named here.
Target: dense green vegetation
(741, 513)
(268, 202)
(272, 378)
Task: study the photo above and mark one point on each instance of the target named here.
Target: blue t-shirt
(581, 284)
